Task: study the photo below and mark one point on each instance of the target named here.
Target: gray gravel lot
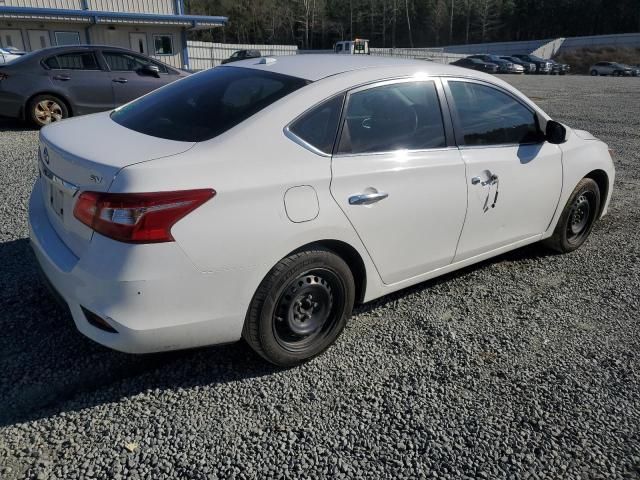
(525, 366)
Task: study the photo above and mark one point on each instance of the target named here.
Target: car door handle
(120, 80)
(493, 178)
(367, 198)
(63, 78)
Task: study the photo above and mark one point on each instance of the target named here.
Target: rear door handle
(367, 198)
(493, 178)
(120, 80)
(63, 78)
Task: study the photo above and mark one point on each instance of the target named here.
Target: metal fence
(431, 54)
(203, 55)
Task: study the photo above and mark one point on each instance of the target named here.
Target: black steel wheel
(578, 217)
(300, 308)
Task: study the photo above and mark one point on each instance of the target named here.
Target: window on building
(73, 61)
(163, 44)
(400, 116)
(319, 126)
(491, 117)
(67, 38)
(124, 62)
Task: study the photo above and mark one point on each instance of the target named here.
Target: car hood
(583, 134)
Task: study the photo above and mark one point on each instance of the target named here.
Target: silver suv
(610, 68)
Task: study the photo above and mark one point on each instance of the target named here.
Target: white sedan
(9, 54)
(262, 200)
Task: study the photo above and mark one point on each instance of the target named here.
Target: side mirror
(150, 70)
(555, 132)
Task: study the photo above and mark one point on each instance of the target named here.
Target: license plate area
(56, 200)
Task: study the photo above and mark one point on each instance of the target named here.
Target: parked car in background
(8, 54)
(242, 55)
(542, 66)
(504, 66)
(263, 200)
(527, 66)
(475, 64)
(59, 82)
(359, 46)
(559, 68)
(611, 68)
(635, 70)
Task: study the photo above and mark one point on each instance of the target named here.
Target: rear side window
(491, 117)
(401, 116)
(319, 126)
(125, 62)
(205, 105)
(73, 61)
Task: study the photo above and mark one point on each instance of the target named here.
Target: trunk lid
(86, 153)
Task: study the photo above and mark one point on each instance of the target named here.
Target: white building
(154, 27)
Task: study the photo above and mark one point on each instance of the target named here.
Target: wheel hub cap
(579, 216)
(48, 111)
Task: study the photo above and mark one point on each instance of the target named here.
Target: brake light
(138, 217)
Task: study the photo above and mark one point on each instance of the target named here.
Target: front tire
(577, 218)
(46, 109)
(300, 308)
(594, 73)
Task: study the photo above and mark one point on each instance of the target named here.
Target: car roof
(315, 67)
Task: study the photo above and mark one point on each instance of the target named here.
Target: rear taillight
(138, 217)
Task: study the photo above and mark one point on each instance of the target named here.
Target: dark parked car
(503, 65)
(476, 64)
(559, 68)
(529, 67)
(242, 55)
(542, 66)
(54, 83)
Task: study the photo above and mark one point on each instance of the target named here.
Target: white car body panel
(273, 197)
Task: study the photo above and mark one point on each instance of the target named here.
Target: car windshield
(207, 104)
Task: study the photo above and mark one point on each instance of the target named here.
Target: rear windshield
(205, 105)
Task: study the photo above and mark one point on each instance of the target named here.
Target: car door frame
(450, 145)
(457, 126)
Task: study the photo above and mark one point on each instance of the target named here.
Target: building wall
(167, 7)
(120, 36)
(71, 4)
(100, 34)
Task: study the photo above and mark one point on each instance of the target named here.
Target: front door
(129, 81)
(11, 38)
(38, 39)
(399, 179)
(514, 177)
(139, 43)
(79, 76)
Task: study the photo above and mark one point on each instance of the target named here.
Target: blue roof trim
(94, 14)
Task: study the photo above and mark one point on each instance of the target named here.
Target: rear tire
(45, 109)
(300, 308)
(577, 218)
(594, 73)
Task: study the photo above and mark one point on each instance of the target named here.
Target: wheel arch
(602, 180)
(47, 92)
(352, 258)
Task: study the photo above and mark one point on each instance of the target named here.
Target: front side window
(319, 126)
(124, 62)
(67, 38)
(73, 61)
(163, 44)
(488, 116)
(207, 104)
(400, 116)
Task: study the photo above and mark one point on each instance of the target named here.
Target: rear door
(82, 80)
(128, 79)
(399, 178)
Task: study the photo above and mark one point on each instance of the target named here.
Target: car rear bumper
(165, 304)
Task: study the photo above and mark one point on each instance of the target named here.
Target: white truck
(359, 46)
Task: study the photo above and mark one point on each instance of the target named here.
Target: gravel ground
(525, 366)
